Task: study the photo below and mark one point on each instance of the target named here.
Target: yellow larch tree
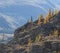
(45, 20)
(39, 19)
(49, 15)
(56, 12)
(29, 42)
(38, 37)
(55, 33)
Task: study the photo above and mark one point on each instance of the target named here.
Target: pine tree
(39, 19)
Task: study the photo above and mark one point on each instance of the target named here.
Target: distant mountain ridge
(8, 24)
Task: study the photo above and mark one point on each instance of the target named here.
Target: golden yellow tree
(45, 20)
(29, 42)
(55, 32)
(39, 19)
(49, 15)
(38, 37)
(56, 12)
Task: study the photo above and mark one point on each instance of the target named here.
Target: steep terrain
(31, 30)
(39, 36)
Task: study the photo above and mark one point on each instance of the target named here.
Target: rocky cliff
(40, 36)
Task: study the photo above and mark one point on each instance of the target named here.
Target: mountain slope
(34, 38)
(31, 30)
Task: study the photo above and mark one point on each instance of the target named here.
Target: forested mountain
(40, 36)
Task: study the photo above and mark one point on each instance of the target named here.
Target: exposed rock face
(36, 49)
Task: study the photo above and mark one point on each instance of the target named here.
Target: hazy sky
(27, 8)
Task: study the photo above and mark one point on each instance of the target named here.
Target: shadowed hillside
(40, 36)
